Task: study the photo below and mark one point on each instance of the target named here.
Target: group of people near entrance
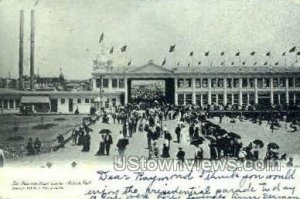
(33, 148)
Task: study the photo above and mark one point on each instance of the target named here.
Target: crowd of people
(193, 128)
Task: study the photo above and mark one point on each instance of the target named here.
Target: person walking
(2, 158)
(178, 132)
(108, 141)
(37, 145)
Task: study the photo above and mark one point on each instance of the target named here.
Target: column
(209, 90)
(126, 90)
(240, 92)
(194, 91)
(287, 98)
(248, 99)
(175, 91)
(272, 91)
(255, 91)
(94, 84)
(201, 99)
(294, 100)
(225, 92)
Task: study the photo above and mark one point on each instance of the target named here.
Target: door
(70, 105)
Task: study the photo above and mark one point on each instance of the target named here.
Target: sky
(67, 33)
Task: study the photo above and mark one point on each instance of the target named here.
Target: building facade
(206, 85)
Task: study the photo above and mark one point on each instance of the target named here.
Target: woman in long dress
(101, 146)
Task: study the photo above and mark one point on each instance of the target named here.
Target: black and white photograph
(149, 98)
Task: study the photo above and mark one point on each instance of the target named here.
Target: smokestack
(21, 50)
(32, 52)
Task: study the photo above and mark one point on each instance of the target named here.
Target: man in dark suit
(178, 133)
(108, 141)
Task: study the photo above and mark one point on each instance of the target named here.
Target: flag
(191, 53)
(237, 54)
(172, 48)
(292, 49)
(252, 53)
(283, 54)
(207, 53)
(276, 63)
(268, 54)
(123, 49)
(199, 63)
(129, 63)
(298, 53)
(222, 53)
(101, 38)
(254, 63)
(111, 50)
(266, 63)
(164, 62)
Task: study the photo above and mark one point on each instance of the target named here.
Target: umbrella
(233, 135)
(273, 145)
(259, 143)
(197, 141)
(104, 131)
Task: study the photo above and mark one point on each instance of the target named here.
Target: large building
(215, 85)
(204, 85)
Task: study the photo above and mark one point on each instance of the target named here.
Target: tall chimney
(32, 52)
(21, 84)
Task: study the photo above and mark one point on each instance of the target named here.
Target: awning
(35, 100)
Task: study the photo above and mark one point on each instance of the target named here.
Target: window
(235, 83)
(114, 83)
(205, 99)
(244, 98)
(297, 82)
(198, 99)
(87, 100)
(259, 82)
(204, 83)
(92, 100)
(220, 83)
(188, 99)
(213, 98)
(62, 101)
(5, 104)
(198, 83)
(244, 82)
(180, 99)
(236, 98)
(180, 83)
(107, 103)
(114, 101)
(291, 82)
(229, 98)
(98, 83)
(220, 98)
(78, 101)
(251, 98)
(121, 83)
(0, 103)
(251, 83)
(11, 103)
(228, 83)
(282, 82)
(105, 83)
(213, 82)
(188, 83)
(267, 83)
(275, 82)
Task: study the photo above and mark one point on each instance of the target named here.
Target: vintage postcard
(133, 99)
